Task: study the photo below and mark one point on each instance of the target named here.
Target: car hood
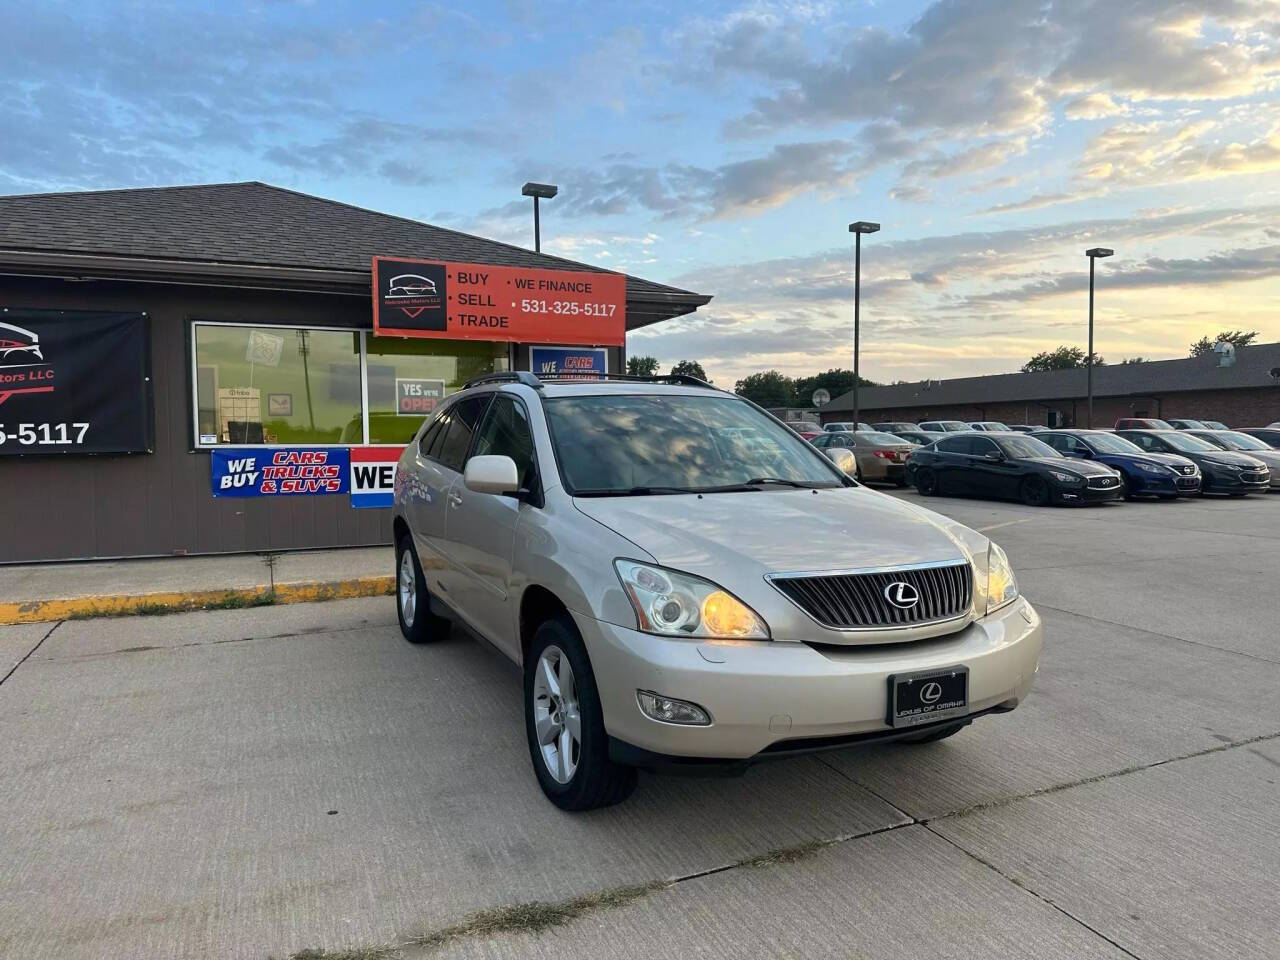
(735, 538)
(1086, 468)
(1174, 460)
(1233, 457)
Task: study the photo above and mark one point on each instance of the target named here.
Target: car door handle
(454, 500)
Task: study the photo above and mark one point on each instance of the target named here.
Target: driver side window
(505, 432)
(983, 446)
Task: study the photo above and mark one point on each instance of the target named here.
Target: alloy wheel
(407, 587)
(557, 717)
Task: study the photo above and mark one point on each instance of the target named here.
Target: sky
(724, 148)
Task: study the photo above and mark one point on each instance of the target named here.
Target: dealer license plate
(928, 696)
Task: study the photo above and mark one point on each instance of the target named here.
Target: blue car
(1162, 475)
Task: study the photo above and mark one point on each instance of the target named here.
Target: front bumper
(1086, 494)
(766, 693)
(1223, 482)
(1181, 485)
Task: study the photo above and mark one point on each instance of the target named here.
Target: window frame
(535, 497)
(362, 360)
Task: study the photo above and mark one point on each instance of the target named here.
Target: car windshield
(874, 437)
(995, 425)
(1019, 447)
(1242, 441)
(1186, 443)
(674, 443)
(1109, 443)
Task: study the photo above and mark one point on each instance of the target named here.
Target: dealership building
(1240, 387)
(206, 369)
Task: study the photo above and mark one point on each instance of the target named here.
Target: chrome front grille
(851, 601)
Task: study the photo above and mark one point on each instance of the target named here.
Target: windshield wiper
(631, 491)
(802, 484)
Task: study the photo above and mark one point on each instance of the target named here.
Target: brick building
(1241, 390)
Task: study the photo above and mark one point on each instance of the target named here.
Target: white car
(680, 600)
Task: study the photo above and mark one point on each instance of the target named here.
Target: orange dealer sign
(476, 301)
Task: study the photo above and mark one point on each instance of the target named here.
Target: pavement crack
(39, 643)
(1099, 778)
(1022, 885)
(1154, 633)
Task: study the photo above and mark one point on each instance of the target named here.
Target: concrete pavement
(171, 782)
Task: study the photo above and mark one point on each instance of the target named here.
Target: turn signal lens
(726, 616)
(1002, 587)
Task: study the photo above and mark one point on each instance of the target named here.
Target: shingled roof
(1253, 368)
(254, 230)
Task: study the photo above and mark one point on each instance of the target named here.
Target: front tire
(564, 722)
(1034, 492)
(926, 482)
(413, 605)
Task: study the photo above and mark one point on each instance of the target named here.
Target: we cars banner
(589, 363)
(474, 301)
(373, 475)
(279, 471)
(74, 381)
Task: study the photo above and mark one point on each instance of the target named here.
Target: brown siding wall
(1246, 407)
(158, 504)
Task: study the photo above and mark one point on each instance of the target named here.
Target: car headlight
(1152, 468)
(1233, 467)
(1064, 477)
(673, 604)
(1002, 586)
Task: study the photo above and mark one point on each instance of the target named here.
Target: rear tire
(933, 736)
(1034, 492)
(413, 603)
(926, 482)
(560, 694)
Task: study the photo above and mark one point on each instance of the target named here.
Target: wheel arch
(537, 605)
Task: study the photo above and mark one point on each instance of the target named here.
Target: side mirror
(843, 458)
(994, 455)
(495, 475)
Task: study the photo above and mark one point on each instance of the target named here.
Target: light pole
(858, 228)
(1093, 254)
(538, 190)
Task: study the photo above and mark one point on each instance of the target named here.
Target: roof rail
(681, 378)
(505, 376)
(532, 380)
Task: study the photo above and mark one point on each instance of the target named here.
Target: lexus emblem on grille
(931, 692)
(902, 594)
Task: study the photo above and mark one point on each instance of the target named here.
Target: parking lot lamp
(1093, 254)
(858, 228)
(538, 190)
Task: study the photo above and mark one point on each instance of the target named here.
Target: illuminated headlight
(1064, 477)
(674, 604)
(1153, 468)
(1002, 587)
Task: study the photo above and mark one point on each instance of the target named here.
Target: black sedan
(1224, 470)
(1010, 466)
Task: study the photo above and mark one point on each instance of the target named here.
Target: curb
(132, 604)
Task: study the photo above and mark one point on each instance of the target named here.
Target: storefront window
(289, 385)
(409, 377)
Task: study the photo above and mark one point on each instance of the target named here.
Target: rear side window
(954, 445)
(459, 432)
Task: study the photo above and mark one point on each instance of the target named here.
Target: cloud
(989, 65)
(982, 299)
(1094, 105)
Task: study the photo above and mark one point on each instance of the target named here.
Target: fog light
(658, 707)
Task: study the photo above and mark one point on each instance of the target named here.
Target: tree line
(1069, 358)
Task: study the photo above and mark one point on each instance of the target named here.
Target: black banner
(74, 381)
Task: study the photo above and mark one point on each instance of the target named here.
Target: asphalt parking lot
(261, 782)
